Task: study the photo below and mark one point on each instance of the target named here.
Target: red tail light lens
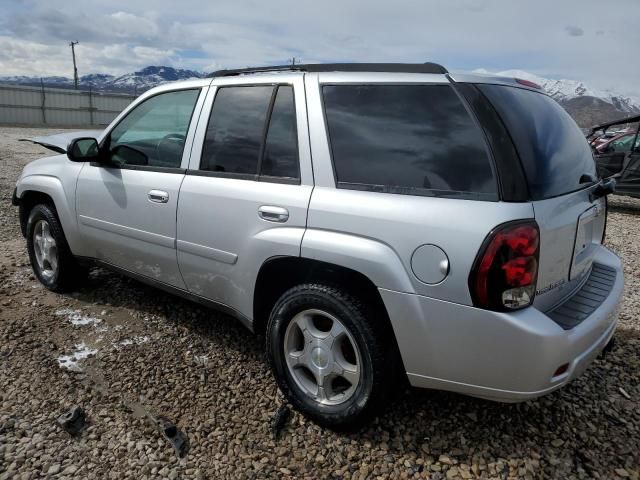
(505, 272)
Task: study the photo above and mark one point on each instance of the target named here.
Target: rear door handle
(158, 196)
(273, 214)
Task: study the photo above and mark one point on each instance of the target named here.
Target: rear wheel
(50, 256)
(330, 354)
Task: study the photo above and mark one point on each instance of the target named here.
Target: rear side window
(252, 133)
(553, 150)
(407, 139)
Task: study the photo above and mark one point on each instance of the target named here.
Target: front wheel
(51, 260)
(331, 355)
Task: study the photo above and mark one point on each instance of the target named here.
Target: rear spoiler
(58, 142)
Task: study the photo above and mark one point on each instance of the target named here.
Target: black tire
(373, 340)
(68, 274)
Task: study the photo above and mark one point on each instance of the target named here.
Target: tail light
(505, 272)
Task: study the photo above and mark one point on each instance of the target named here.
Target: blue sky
(588, 40)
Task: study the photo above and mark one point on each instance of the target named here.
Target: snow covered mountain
(565, 90)
(131, 82)
(151, 76)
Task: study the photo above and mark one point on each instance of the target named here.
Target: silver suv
(375, 223)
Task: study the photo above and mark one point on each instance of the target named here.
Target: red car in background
(604, 137)
(618, 143)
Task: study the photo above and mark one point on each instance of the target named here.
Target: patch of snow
(72, 361)
(137, 340)
(75, 317)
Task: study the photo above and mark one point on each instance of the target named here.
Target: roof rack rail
(427, 67)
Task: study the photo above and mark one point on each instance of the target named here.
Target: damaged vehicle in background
(619, 157)
(376, 223)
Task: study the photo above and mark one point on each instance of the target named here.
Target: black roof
(427, 67)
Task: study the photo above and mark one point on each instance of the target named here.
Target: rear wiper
(603, 189)
(587, 178)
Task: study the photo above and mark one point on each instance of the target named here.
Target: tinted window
(154, 132)
(281, 147)
(414, 139)
(553, 150)
(236, 129)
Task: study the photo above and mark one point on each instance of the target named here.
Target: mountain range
(586, 105)
(135, 82)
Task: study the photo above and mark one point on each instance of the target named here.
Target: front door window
(154, 132)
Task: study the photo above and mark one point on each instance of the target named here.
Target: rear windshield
(553, 150)
(407, 139)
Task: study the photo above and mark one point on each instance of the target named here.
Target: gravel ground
(150, 354)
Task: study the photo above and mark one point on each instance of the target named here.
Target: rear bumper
(15, 200)
(503, 356)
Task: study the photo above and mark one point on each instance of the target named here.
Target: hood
(58, 142)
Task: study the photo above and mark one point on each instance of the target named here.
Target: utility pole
(75, 69)
(293, 60)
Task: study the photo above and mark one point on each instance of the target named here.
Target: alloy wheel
(322, 357)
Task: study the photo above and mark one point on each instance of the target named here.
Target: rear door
(561, 174)
(245, 196)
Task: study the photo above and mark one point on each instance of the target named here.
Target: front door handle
(158, 196)
(273, 214)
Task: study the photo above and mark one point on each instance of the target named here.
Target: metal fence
(22, 105)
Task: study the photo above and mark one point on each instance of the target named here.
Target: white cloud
(18, 57)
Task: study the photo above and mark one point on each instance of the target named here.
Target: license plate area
(586, 241)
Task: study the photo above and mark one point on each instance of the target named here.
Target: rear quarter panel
(402, 223)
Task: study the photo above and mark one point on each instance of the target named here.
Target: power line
(75, 69)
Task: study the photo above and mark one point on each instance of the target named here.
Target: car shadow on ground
(432, 423)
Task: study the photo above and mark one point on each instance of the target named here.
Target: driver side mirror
(83, 150)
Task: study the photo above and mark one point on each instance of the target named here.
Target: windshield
(553, 150)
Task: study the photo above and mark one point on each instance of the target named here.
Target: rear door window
(236, 127)
(553, 151)
(252, 134)
(407, 139)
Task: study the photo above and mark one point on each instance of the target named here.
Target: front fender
(376, 260)
(63, 197)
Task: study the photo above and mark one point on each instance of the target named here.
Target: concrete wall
(22, 105)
